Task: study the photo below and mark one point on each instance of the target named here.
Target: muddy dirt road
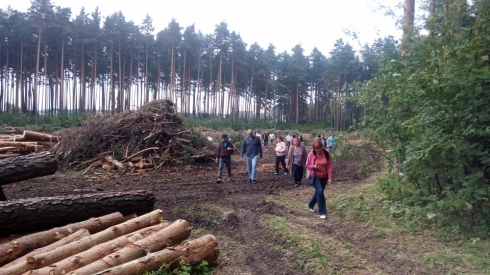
(236, 212)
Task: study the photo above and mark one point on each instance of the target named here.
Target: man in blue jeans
(252, 147)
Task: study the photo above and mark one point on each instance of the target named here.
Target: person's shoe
(254, 182)
(286, 173)
(250, 180)
(311, 210)
(229, 179)
(276, 173)
(323, 217)
(297, 185)
(218, 180)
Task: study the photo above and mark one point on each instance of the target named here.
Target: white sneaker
(311, 210)
(323, 217)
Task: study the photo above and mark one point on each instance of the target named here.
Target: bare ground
(236, 212)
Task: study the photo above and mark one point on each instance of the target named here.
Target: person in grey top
(297, 160)
(252, 148)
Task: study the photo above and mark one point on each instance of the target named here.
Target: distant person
(302, 142)
(332, 140)
(297, 161)
(288, 140)
(281, 150)
(272, 137)
(252, 148)
(223, 157)
(320, 168)
(323, 140)
(266, 138)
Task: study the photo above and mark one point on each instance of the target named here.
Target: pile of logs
(29, 142)
(109, 244)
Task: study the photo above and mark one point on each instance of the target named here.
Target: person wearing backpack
(320, 172)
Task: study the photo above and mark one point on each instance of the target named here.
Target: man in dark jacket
(252, 147)
(223, 157)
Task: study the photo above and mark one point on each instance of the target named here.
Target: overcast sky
(284, 23)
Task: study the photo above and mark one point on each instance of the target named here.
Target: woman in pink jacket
(281, 150)
(319, 165)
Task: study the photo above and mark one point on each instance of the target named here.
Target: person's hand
(229, 148)
(287, 167)
(329, 182)
(216, 160)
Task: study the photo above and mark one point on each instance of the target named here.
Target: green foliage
(241, 124)
(431, 109)
(183, 269)
(47, 123)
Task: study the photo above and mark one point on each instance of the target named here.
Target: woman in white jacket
(281, 150)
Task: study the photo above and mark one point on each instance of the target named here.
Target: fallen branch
(140, 152)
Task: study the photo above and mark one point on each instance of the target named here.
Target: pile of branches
(153, 136)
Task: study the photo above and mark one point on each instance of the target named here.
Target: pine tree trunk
(97, 252)
(196, 251)
(20, 265)
(26, 167)
(60, 253)
(408, 20)
(23, 245)
(171, 235)
(46, 212)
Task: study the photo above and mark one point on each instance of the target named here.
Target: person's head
(323, 135)
(318, 136)
(317, 145)
(333, 134)
(294, 136)
(297, 142)
(280, 138)
(224, 137)
(250, 133)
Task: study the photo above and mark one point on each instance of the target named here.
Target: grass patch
(430, 247)
(317, 254)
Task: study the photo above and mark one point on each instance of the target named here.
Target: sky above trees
(312, 23)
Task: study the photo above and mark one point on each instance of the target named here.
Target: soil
(232, 210)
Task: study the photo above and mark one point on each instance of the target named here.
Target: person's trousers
(252, 166)
(227, 163)
(282, 160)
(319, 196)
(297, 173)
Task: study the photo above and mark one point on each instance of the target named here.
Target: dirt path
(235, 211)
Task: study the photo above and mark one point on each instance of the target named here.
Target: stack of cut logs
(29, 142)
(111, 244)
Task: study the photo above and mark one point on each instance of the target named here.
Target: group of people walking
(293, 157)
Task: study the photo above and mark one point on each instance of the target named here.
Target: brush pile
(153, 136)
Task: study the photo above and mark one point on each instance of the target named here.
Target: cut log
(173, 234)
(9, 149)
(9, 155)
(22, 215)
(60, 253)
(193, 252)
(115, 162)
(31, 135)
(26, 167)
(20, 265)
(97, 252)
(23, 245)
(26, 145)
